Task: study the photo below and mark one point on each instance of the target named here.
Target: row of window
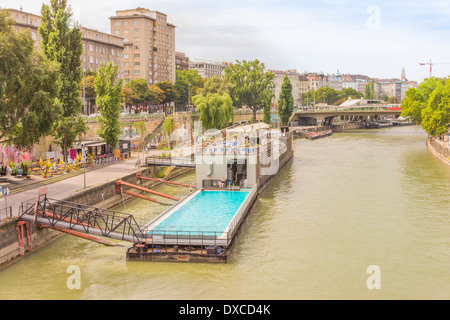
(102, 50)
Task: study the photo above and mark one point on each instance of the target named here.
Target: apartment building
(149, 44)
(207, 69)
(98, 46)
(300, 84)
(181, 61)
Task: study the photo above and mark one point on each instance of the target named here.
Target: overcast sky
(376, 38)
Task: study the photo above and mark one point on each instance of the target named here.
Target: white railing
(241, 211)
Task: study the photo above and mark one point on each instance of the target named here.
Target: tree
(28, 88)
(109, 95)
(370, 90)
(170, 93)
(187, 84)
(158, 94)
(436, 115)
(392, 100)
(416, 99)
(285, 101)
(251, 83)
(128, 96)
(215, 110)
(350, 93)
(216, 85)
(87, 90)
(63, 45)
(168, 127)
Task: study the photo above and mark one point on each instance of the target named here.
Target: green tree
(28, 88)
(436, 115)
(215, 110)
(141, 91)
(216, 85)
(168, 127)
(108, 90)
(251, 84)
(416, 99)
(169, 90)
(187, 84)
(63, 45)
(285, 101)
(369, 92)
(87, 90)
(350, 93)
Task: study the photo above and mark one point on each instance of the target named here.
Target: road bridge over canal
(327, 115)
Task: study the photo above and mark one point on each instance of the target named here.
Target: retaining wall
(439, 149)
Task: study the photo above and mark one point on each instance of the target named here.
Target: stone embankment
(439, 148)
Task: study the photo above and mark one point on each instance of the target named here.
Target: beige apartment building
(98, 46)
(149, 44)
(181, 61)
(207, 69)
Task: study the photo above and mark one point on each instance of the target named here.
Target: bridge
(356, 114)
(170, 162)
(81, 220)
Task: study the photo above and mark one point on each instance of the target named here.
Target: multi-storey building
(181, 61)
(207, 69)
(149, 44)
(98, 46)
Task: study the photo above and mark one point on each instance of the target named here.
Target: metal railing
(242, 210)
(170, 162)
(5, 213)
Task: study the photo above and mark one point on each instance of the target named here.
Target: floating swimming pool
(207, 212)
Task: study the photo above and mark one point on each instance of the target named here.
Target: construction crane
(431, 65)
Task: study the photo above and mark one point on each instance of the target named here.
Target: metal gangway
(79, 219)
(170, 162)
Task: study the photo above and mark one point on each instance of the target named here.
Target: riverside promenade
(67, 187)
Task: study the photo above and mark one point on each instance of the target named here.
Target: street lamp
(84, 163)
(189, 96)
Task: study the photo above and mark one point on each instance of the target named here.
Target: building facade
(181, 61)
(149, 44)
(98, 46)
(207, 69)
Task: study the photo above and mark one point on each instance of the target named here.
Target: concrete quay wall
(439, 149)
(103, 196)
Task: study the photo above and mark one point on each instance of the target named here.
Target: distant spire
(403, 77)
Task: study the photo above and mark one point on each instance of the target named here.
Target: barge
(232, 167)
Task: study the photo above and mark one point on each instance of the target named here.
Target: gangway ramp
(81, 218)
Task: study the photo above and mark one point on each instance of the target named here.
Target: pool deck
(192, 248)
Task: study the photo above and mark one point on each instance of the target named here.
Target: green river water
(347, 202)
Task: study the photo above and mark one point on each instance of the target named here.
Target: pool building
(232, 167)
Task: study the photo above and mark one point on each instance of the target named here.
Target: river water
(347, 202)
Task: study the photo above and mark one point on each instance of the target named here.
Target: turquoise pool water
(207, 211)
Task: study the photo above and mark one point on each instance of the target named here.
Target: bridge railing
(82, 218)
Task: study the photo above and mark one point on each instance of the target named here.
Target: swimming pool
(208, 212)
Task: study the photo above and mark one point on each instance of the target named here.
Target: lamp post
(84, 164)
(189, 96)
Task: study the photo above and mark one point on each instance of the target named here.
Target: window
(126, 56)
(136, 22)
(117, 31)
(137, 64)
(125, 23)
(116, 23)
(137, 55)
(137, 72)
(126, 72)
(126, 64)
(136, 47)
(125, 31)
(91, 47)
(136, 31)
(135, 39)
(91, 59)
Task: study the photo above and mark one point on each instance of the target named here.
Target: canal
(347, 202)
